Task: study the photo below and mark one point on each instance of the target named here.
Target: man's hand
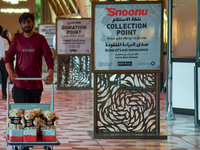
(49, 78)
(11, 77)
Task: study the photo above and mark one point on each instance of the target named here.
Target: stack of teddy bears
(28, 120)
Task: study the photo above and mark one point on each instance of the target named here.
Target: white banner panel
(48, 30)
(73, 36)
(127, 36)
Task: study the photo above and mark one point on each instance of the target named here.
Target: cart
(27, 106)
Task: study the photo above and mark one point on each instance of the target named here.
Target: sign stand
(73, 42)
(127, 46)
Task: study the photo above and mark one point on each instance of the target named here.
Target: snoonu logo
(114, 12)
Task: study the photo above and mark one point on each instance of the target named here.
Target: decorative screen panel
(125, 103)
(74, 72)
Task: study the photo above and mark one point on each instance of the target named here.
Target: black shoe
(4, 96)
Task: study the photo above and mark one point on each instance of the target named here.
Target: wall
(10, 20)
(184, 28)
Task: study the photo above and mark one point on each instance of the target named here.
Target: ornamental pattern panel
(126, 103)
(74, 72)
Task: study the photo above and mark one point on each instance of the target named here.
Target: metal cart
(28, 106)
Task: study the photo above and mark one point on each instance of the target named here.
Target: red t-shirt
(29, 52)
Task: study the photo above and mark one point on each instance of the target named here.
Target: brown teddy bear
(50, 119)
(29, 120)
(39, 116)
(38, 111)
(15, 118)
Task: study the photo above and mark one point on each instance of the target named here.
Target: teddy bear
(50, 119)
(38, 111)
(29, 120)
(38, 116)
(15, 118)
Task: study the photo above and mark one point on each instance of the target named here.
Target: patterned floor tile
(75, 109)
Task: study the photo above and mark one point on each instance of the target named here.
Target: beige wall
(84, 8)
(10, 20)
(184, 28)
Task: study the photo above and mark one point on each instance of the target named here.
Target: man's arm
(11, 75)
(49, 61)
(49, 78)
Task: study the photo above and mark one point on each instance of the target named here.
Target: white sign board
(48, 30)
(73, 36)
(127, 36)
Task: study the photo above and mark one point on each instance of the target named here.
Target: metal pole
(8, 103)
(170, 114)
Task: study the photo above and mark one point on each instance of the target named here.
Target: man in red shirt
(29, 47)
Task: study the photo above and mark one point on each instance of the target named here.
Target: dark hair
(1, 29)
(4, 35)
(25, 16)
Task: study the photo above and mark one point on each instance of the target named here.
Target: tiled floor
(75, 109)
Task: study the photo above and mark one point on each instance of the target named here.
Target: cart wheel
(47, 148)
(24, 148)
(15, 148)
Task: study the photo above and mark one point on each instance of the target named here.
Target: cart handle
(52, 89)
(52, 92)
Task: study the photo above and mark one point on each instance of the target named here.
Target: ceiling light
(13, 1)
(14, 10)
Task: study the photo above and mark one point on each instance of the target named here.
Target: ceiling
(64, 7)
(67, 7)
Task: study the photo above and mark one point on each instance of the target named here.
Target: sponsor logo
(101, 64)
(124, 63)
(147, 63)
(114, 12)
(73, 50)
(153, 63)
